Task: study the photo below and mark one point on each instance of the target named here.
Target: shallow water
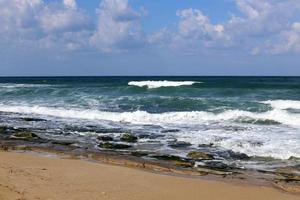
(257, 116)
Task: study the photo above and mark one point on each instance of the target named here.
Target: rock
(63, 142)
(167, 157)
(175, 160)
(218, 166)
(105, 138)
(206, 145)
(170, 131)
(139, 153)
(289, 173)
(180, 144)
(109, 145)
(239, 156)
(28, 119)
(129, 138)
(5, 129)
(204, 170)
(199, 155)
(24, 135)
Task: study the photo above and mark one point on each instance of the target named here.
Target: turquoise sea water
(257, 116)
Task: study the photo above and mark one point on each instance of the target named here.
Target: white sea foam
(278, 142)
(142, 117)
(158, 84)
(283, 104)
(257, 141)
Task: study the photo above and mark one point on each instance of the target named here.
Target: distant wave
(19, 85)
(158, 84)
(143, 117)
(283, 104)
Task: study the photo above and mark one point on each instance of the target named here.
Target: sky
(149, 37)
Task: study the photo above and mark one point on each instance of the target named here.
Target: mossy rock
(199, 155)
(24, 135)
(109, 145)
(105, 138)
(129, 138)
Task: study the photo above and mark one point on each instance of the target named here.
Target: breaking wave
(158, 84)
(283, 104)
(143, 117)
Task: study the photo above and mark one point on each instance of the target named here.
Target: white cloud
(118, 26)
(259, 26)
(286, 41)
(37, 24)
(70, 4)
(57, 19)
(194, 24)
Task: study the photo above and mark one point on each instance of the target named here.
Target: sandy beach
(30, 177)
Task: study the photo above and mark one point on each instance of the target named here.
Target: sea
(256, 117)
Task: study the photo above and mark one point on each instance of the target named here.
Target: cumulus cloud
(118, 26)
(259, 26)
(54, 18)
(286, 41)
(194, 24)
(33, 22)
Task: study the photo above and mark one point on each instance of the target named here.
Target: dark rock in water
(239, 156)
(180, 144)
(24, 135)
(199, 155)
(109, 130)
(28, 119)
(105, 138)
(175, 160)
(144, 136)
(129, 138)
(167, 157)
(109, 145)
(5, 129)
(218, 166)
(170, 131)
(206, 145)
(63, 142)
(139, 153)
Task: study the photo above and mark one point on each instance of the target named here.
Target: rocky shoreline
(116, 151)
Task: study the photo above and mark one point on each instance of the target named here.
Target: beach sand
(30, 177)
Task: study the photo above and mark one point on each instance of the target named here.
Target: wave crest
(283, 104)
(158, 84)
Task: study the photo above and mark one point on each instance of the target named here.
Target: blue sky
(149, 37)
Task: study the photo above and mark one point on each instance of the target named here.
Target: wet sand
(26, 177)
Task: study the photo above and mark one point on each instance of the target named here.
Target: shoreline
(30, 176)
(62, 153)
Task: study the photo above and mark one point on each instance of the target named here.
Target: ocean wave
(143, 117)
(19, 85)
(283, 104)
(158, 84)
